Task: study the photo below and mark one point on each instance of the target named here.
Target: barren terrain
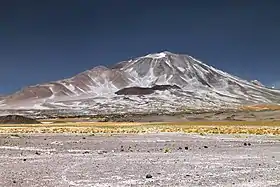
(161, 159)
(202, 149)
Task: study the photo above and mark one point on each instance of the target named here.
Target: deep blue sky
(46, 40)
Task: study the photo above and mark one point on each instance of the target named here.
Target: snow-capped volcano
(200, 85)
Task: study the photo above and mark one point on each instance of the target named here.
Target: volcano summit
(160, 81)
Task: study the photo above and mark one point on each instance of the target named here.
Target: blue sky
(42, 41)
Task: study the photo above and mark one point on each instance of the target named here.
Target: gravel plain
(159, 159)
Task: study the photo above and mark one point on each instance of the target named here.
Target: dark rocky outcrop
(165, 87)
(145, 91)
(17, 119)
(135, 91)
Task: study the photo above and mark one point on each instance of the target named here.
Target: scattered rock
(14, 181)
(149, 176)
(24, 159)
(180, 148)
(205, 147)
(186, 148)
(187, 175)
(37, 153)
(84, 138)
(86, 152)
(101, 152)
(249, 144)
(245, 144)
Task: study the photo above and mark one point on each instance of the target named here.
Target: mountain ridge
(200, 83)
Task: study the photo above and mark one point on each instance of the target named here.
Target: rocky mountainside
(169, 82)
(16, 119)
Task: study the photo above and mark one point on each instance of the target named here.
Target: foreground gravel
(164, 159)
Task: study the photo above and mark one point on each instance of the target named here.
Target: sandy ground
(172, 159)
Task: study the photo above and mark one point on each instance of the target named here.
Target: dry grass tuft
(200, 127)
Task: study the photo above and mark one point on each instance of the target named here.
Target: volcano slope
(188, 84)
(158, 154)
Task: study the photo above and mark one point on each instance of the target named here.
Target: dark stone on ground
(149, 176)
(37, 153)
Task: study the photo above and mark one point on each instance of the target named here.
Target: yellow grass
(260, 107)
(201, 127)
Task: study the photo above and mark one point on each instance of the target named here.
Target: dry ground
(172, 159)
(190, 152)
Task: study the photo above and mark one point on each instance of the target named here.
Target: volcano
(160, 81)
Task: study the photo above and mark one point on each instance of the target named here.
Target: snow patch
(39, 107)
(155, 56)
(181, 69)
